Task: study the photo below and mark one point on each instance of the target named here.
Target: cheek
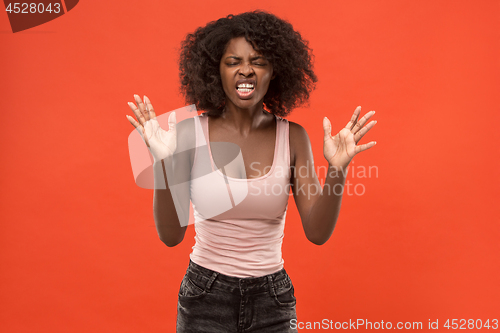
(266, 80)
(227, 79)
(225, 84)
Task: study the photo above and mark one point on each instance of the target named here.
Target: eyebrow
(252, 58)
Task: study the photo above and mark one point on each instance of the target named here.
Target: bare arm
(171, 205)
(171, 171)
(319, 207)
(165, 214)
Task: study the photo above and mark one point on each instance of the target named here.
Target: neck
(244, 119)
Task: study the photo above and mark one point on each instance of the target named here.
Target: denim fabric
(212, 302)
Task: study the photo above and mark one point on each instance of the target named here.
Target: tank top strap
(283, 133)
(203, 124)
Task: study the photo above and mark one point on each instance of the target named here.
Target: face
(245, 74)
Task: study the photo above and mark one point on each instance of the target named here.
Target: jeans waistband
(249, 284)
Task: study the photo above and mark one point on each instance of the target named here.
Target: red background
(78, 247)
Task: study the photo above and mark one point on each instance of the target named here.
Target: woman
(232, 68)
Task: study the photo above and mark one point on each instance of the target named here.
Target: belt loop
(212, 279)
(271, 285)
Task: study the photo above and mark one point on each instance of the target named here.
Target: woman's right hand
(161, 143)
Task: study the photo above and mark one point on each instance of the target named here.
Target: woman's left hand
(340, 149)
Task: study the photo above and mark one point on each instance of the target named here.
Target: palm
(161, 143)
(340, 149)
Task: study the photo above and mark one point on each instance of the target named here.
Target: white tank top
(239, 223)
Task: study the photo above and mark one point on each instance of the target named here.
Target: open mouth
(245, 90)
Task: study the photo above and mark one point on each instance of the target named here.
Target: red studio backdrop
(417, 239)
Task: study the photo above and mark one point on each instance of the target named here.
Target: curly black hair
(283, 47)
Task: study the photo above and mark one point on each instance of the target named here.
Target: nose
(246, 69)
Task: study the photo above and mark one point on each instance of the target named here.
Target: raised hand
(340, 149)
(161, 143)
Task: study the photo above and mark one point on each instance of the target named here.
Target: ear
(274, 75)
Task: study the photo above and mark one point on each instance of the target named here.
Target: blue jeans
(212, 302)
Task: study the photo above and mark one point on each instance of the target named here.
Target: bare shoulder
(185, 124)
(186, 140)
(186, 129)
(300, 144)
(296, 130)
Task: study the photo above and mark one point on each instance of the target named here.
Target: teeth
(245, 85)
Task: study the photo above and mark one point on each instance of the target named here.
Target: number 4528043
(464, 324)
(32, 8)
